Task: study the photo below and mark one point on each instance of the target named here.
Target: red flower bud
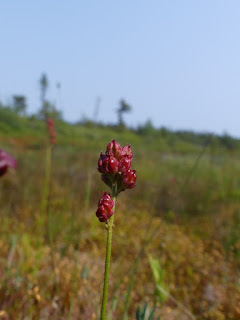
(114, 149)
(100, 162)
(112, 165)
(124, 164)
(126, 151)
(129, 179)
(6, 161)
(105, 205)
(107, 164)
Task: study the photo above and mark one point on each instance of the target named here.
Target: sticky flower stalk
(46, 202)
(46, 185)
(46, 196)
(116, 173)
(109, 227)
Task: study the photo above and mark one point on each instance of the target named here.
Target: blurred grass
(194, 205)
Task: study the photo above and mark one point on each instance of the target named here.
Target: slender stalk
(107, 262)
(46, 185)
(47, 191)
(46, 202)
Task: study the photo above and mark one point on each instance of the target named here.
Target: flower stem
(107, 262)
(46, 185)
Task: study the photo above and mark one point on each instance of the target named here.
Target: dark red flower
(127, 152)
(124, 164)
(6, 161)
(100, 162)
(129, 179)
(114, 149)
(115, 166)
(107, 164)
(105, 206)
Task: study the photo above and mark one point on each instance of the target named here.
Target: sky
(175, 62)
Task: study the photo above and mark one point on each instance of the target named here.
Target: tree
(124, 107)
(228, 142)
(147, 128)
(19, 104)
(47, 109)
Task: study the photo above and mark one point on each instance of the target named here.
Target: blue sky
(176, 62)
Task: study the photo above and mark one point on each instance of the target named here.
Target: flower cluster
(6, 161)
(115, 167)
(105, 207)
(51, 131)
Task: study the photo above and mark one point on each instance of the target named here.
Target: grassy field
(176, 237)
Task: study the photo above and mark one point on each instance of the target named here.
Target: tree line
(49, 110)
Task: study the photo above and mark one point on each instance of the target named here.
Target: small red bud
(112, 165)
(126, 151)
(105, 205)
(107, 164)
(124, 164)
(129, 179)
(100, 162)
(114, 149)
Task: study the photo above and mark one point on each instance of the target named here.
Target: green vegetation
(184, 212)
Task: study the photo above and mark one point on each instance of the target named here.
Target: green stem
(107, 262)
(46, 209)
(46, 185)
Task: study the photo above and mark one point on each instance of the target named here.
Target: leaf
(152, 314)
(156, 269)
(138, 313)
(158, 275)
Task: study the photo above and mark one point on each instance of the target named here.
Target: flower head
(115, 167)
(105, 206)
(6, 161)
